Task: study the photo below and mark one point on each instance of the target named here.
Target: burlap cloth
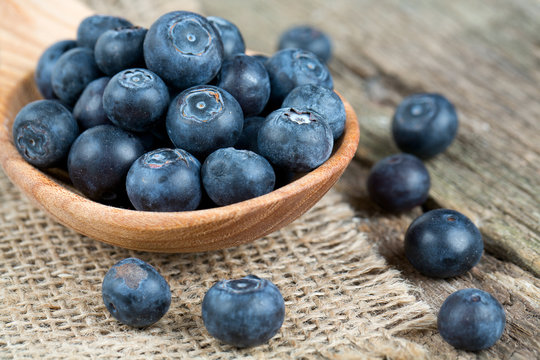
(342, 299)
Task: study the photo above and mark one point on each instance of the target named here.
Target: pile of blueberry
(177, 117)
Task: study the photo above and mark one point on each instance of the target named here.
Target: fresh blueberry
(204, 118)
(290, 68)
(99, 160)
(307, 38)
(233, 42)
(250, 132)
(45, 66)
(230, 176)
(298, 140)
(92, 27)
(184, 49)
(443, 243)
(247, 80)
(135, 99)
(322, 100)
(262, 58)
(43, 132)
(399, 182)
(244, 312)
(424, 124)
(165, 180)
(120, 49)
(88, 110)
(73, 71)
(471, 319)
(135, 293)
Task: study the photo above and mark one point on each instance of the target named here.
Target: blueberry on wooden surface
(308, 38)
(46, 64)
(88, 110)
(120, 49)
(92, 27)
(233, 42)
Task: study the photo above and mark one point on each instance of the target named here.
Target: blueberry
(424, 124)
(443, 243)
(88, 110)
(290, 68)
(73, 71)
(233, 42)
(165, 180)
(247, 80)
(298, 140)
(135, 293)
(307, 38)
(204, 118)
(322, 100)
(43, 132)
(99, 160)
(120, 49)
(244, 312)
(230, 176)
(250, 132)
(184, 49)
(135, 99)
(399, 182)
(46, 63)
(92, 27)
(471, 319)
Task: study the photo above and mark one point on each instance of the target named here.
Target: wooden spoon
(24, 34)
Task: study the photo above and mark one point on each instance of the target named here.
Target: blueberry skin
(165, 180)
(443, 243)
(247, 80)
(322, 100)
(43, 132)
(399, 182)
(135, 293)
(307, 38)
(290, 68)
(88, 110)
(424, 125)
(135, 99)
(120, 49)
(471, 319)
(230, 176)
(184, 49)
(250, 132)
(244, 312)
(298, 140)
(233, 42)
(262, 58)
(91, 28)
(46, 63)
(99, 161)
(204, 118)
(73, 71)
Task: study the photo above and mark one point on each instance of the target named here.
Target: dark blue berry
(262, 58)
(424, 124)
(184, 49)
(247, 80)
(443, 243)
(471, 319)
(399, 182)
(73, 71)
(298, 140)
(165, 180)
(322, 100)
(244, 312)
(250, 132)
(230, 176)
(233, 42)
(135, 293)
(99, 160)
(120, 49)
(88, 110)
(43, 132)
(307, 38)
(204, 118)
(135, 99)
(45, 66)
(92, 27)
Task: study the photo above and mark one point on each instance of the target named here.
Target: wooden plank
(483, 56)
